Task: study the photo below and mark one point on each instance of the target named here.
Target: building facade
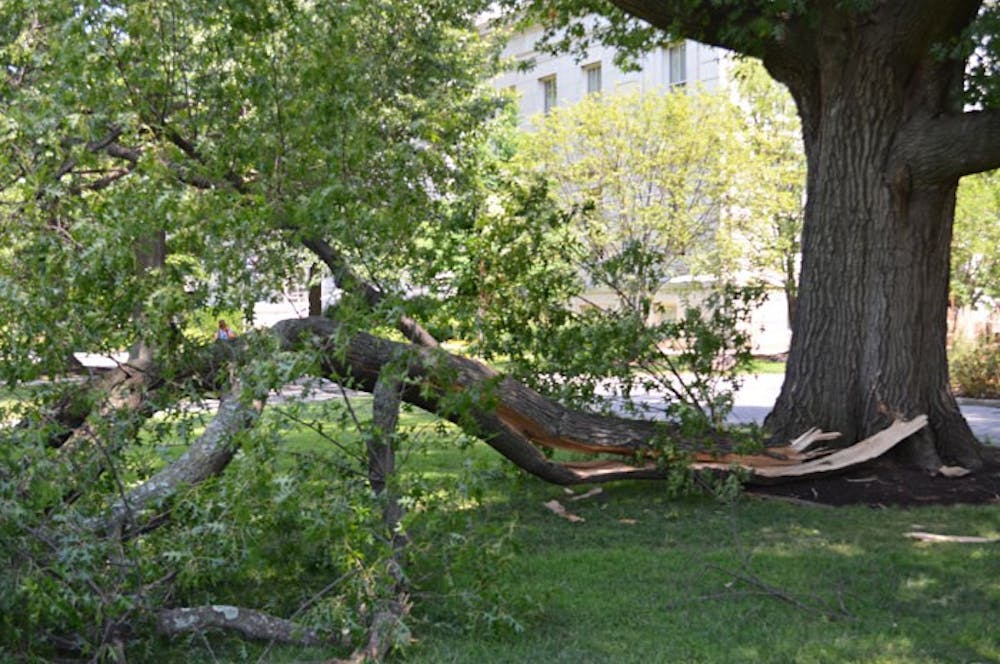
(560, 80)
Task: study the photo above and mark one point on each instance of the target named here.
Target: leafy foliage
(975, 369)
(162, 164)
(653, 172)
(975, 260)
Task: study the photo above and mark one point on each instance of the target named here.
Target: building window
(593, 73)
(549, 93)
(677, 64)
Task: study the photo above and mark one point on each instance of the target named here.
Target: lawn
(649, 577)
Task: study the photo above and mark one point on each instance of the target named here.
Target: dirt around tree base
(883, 483)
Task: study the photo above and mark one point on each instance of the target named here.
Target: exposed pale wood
(596, 491)
(958, 539)
(557, 508)
(866, 450)
(953, 471)
(814, 435)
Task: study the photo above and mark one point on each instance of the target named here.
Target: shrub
(975, 369)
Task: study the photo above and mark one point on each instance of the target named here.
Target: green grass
(664, 589)
(759, 366)
(650, 578)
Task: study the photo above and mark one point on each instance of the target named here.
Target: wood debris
(953, 471)
(870, 448)
(814, 435)
(590, 494)
(959, 539)
(556, 507)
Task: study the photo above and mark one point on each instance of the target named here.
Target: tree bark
(248, 622)
(207, 456)
(870, 343)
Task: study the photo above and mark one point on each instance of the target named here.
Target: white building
(563, 80)
(559, 80)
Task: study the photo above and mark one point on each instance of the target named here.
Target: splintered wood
(793, 461)
(956, 539)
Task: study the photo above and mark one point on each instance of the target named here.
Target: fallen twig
(819, 606)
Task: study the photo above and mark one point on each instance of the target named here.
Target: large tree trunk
(869, 344)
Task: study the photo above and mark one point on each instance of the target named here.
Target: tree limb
(248, 622)
(349, 280)
(206, 457)
(711, 23)
(947, 147)
(509, 416)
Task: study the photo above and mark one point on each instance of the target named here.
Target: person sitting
(224, 333)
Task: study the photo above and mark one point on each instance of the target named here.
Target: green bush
(975, 370)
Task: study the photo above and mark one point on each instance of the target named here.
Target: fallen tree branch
(349, 280)
(515, 420)
(248, 622)
(816, 606)
(207, 456)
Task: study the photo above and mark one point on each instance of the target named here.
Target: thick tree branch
(207, 456)
(249, 623)
(711, 23)
(509, 416)
(948, 147)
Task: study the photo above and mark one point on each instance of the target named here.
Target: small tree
(653, 174)
(651, 178)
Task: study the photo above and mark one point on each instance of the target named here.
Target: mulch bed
(882, 483)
